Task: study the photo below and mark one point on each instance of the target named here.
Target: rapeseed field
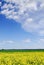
(21, 58)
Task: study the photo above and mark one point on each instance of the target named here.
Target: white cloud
(41, 40)
(30, 13)
(7, 42)
(27, 41)
(42, 5)
(30, 26)
(0, 3)
(41, 33)
(41, 43)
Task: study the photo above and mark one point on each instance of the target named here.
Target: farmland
(22, 57)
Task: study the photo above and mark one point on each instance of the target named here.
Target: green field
(22, 50)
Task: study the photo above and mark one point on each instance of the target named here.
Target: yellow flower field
(22, 58)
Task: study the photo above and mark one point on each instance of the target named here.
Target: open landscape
(21, 32)
(21, 57)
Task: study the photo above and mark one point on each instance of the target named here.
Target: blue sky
(21, 24)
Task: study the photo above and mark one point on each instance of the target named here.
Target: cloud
(41, 40)
(29, 13)
(40, 43)
(27, 41)
(41, 33)
(7, 42)
(0, 3)
(42, 5)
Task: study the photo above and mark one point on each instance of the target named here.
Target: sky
(21, 24)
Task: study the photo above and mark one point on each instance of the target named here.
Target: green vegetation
(22, 50)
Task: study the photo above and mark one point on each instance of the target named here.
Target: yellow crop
(22, 58)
